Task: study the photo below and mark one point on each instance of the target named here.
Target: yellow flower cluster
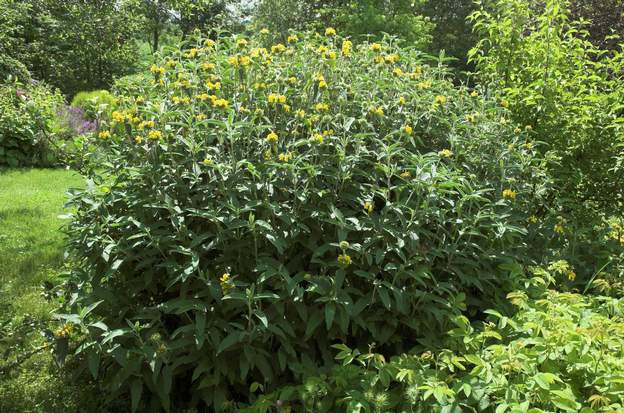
(65, 331)
(154, 135)
(238, 61)
(375, 47)
(330, 31)
(322, 84)
(208, 66)
(510, 194)
(149, 124)
(344, 259)
(226, 283)
(272, 137)
(285, 157)
(440, 100)
(293, 38)
(445, 153)
(275, 99)
(368, 207)
(347, 45)
(104, 135)
(157, 70)
(408, 130)
(278, 48)
(377, 111)
(321, 107)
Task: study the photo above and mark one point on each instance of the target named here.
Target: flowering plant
(257, 202)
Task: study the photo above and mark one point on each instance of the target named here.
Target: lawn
(31, 254)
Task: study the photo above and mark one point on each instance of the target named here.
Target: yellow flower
(408, 129)
(346, 47)
(440, 100)
(209, 43)
(157, 70)
(240, 43)
(268, 155)
(154, 135)
(321, 107)
(233, 61)
(225, 278)
(118, 117)
(318, 138)
(278, 48)
(292, 80)
(474, 94)
(191, 53)
(571, 275)
(264, 31)
(397, 72)
(272, 137)
(226, 283)
(504, 103)
(378, 111)
(402, 100)
(509, 194)
(207, 162)
(104, 135)
(471, 117)
(406, 174)
(445, 153)
(213, 86)
(344, 259)
(138, 139)
(140, 99)
(208, 66)
(392, 58)
(330, 31)
(344, 245)
(293, 38)
(220, 103)
(200, 117)
(375, 47)
(528, 128)
(285, 157)
(559, 229)
(368, 207)
(259, 86)
(331, 55)
(244, 60)
(533, 219)
(300, 113)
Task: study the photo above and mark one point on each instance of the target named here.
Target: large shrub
(258, 204)
(27, 120)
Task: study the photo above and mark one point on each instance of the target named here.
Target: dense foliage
(27, 123)
(269, 202)
(561, 352)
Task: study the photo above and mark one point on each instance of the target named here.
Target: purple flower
(73, 119)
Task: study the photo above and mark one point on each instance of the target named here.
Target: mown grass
(31, 253)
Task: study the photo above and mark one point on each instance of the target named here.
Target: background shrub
(566, 89)
(258, 204)
(27, 119)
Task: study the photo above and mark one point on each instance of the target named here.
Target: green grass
(31, 252)
(31, 243)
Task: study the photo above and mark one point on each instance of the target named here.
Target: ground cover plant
(269, 199)
(558, 353)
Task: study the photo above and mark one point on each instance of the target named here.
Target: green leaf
(330, 311)
(136, 388)
(229, 341)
